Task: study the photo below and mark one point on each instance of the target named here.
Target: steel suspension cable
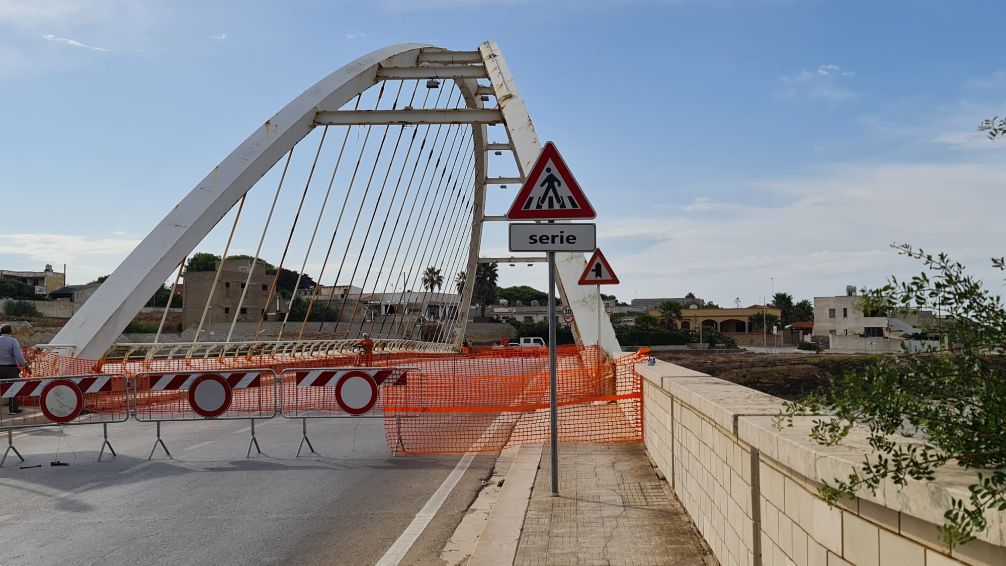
(303, 325)
(455, 262)
(405, 197)
(219, 270)
(416, 228)
(258, 250)
(401, 207)
(447, 259)
(338, 224)
(412, 208)
(274, 288)
(454, 256)
(373, 216)
(171, 297)
(438, 201)
(314, 233)
(443, 238)
(356, 220)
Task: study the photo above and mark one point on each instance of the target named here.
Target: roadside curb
(499, 539)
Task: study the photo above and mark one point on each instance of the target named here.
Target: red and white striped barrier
(78, 399)
(196, 395)
(336, 392)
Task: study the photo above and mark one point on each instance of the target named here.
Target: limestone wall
(751, 488)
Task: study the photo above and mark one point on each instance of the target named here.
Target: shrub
(810, 346)
(20, 308)
(636, 336)
(712, 337)
(135, 327)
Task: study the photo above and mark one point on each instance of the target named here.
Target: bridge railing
(145, 351)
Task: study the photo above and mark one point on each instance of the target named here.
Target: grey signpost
(550, 193)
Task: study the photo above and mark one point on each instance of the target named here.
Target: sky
(731, 148)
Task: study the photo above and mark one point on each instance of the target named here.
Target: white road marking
(137, 467)
(77, 490)
(200, 445)
(397, 552)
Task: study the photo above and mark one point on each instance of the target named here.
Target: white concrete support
(526, 146)
(94, 328)
(355, 117)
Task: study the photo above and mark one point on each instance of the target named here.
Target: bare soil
(789, 376)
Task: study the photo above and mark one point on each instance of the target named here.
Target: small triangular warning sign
(598, 271)
(550, 192)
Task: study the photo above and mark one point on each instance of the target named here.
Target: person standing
(12, 362)
(367, 345)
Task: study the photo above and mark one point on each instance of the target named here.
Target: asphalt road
(211, 505)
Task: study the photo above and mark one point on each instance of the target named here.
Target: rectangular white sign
(553, 237)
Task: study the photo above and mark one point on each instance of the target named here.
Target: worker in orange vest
(368, 349)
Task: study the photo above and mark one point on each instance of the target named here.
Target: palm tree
(485, 284)
(762, 322)
(432, 279)
(670, 311)
(803, 311)
(459, 281)
(784, 302)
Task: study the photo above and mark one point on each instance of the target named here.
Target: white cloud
(355, 35)
(828, 82)
(71, 42)
(834, 229)
(68, 14)
(220, 36)
(90, 256)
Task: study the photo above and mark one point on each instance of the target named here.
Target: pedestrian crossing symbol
(598, 271)
(550, 192)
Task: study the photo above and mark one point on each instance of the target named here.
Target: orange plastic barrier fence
(481, 401)
(486, 401)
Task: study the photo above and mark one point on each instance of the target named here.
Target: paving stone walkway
(611, 510)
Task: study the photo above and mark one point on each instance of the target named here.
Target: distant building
(431, 306)
(725, 320)
(843, 315)
(226, 299)
(652, 304)
(333, 292)
(76, 294)
(41, 282)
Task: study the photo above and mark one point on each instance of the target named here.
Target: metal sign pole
(600, 307)
(552, 386)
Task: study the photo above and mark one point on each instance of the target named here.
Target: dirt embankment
(789, 376)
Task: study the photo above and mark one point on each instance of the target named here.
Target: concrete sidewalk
(611, 509)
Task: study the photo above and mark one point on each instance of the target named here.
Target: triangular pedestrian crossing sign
(550, 192)
(598, 271)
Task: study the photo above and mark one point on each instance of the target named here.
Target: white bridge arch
(104, 316)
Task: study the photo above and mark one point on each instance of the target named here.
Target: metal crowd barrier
(336, 392)
(199, 395)
(252, 394)
(66, 400)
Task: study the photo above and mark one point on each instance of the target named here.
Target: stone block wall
(752, 488)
